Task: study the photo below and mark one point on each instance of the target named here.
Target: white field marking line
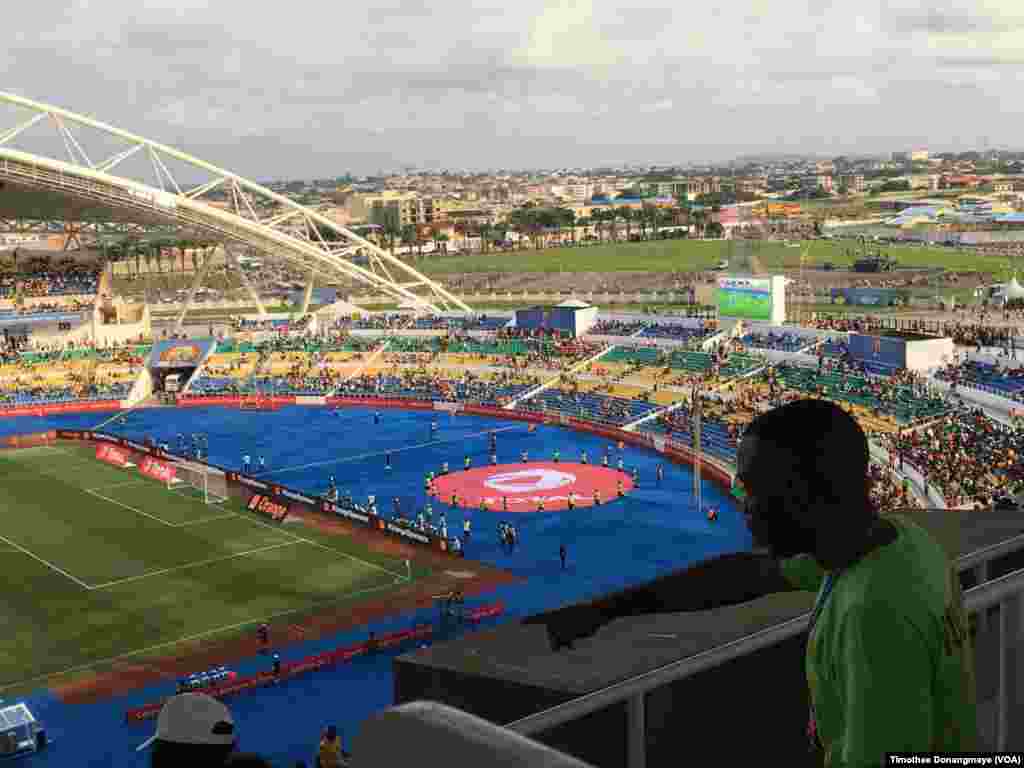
(196, 564)
(176, 490)
(398, 576)
(206, 520)
(196, 636)
(118, 485)
(360, 456)
(133, 509)
(47, 563)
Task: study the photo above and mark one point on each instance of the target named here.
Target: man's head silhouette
(804, 468)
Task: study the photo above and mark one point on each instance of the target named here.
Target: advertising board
(111, 454)
(157, 470)
(870, 297)
(342, 511)
(748, 298)
(265, 505)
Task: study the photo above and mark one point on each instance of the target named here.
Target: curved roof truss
(256, 217)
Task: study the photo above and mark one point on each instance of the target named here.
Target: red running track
(524, 485)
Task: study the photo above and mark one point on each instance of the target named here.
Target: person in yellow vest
(330, 749)
(483, 505)
(597, 497)
(620, 489)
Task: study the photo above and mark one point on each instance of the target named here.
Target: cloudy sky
(304, 88)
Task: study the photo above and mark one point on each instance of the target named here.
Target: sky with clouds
(303, 88)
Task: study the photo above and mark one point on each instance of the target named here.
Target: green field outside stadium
(103, 565)
(689, 255)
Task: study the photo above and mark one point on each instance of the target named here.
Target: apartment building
(812, 181)
(407, 207)
(573, 190)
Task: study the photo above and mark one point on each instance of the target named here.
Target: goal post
(200, 482)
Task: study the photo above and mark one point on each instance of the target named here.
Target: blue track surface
(654, 530)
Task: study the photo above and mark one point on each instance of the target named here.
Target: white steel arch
(259, 217)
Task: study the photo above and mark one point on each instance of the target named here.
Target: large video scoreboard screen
(749, 298)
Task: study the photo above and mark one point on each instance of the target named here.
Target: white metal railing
(999, 592)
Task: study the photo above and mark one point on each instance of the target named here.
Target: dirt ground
(474, 579)
(631, 282)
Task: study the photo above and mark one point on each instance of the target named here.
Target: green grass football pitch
(103, 565)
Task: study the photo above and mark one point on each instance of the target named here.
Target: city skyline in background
(481, 85)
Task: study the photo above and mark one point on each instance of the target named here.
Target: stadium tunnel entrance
(173, 362)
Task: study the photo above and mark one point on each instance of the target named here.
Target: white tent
(1014, 290)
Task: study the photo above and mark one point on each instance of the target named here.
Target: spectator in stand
(193, 730)
(331, 751)
(889, 621)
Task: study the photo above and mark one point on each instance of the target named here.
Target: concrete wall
(585, 320)
(924, 355)
(121, 332)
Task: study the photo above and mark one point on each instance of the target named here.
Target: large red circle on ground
(524, 485)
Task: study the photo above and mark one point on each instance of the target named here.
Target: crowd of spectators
(71, 280)
(966, 331)
(974, 459)
(394, 321)
(46, 308)
(999, 377)
(784, 341)
(618, 327)
(679, 332)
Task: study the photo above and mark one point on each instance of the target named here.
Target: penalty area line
(47, 563)
(304, 540)
(197, 564)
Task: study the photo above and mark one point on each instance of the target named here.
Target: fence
(1003, 592)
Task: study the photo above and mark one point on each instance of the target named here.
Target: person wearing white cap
(193, 729)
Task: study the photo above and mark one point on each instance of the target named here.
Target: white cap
(193, 718)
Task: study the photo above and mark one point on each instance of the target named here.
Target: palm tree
(499, 233)
(698, 218)
(628, 215)
(409, 235)
(655, 221)
(569, 220)
(584, 222)
(485, 232)
(598, 218)
(392, 231)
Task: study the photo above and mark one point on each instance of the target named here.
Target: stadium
(390, 492)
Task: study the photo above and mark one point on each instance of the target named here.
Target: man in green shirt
(889, 663)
